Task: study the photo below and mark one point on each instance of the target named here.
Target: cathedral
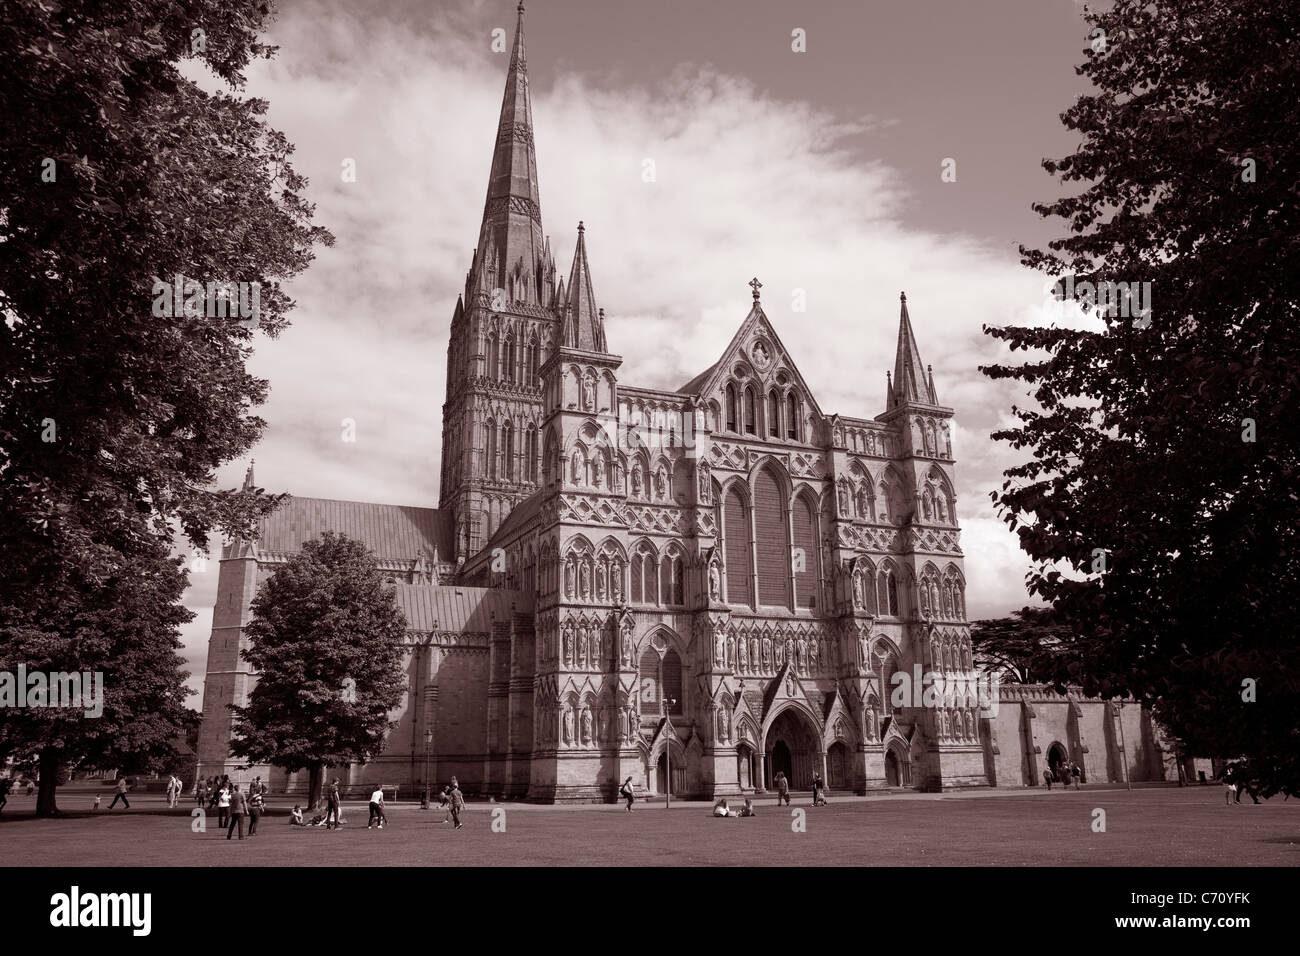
(698, 588)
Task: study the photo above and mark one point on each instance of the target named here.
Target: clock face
(761, 356)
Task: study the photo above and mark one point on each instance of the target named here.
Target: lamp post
(1123, 750)
(428, 741)
(668, 754)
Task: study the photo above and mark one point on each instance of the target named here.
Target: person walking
(238, 810)
(457, 803)
(256, 807)
(444, 801)
(6, 784)
(782, 788)
(1229, 791)
(120, 794)
(627, 793)
(819, 791)
(223, 807)
(1047, 778)
(332, 814)
(376, 808)
(1076, 773)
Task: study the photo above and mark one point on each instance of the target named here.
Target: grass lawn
(1144, 827)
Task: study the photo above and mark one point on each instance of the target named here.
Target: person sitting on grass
(295, 817)
(748, 809)
(720, 809)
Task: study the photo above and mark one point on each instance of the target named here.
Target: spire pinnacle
(248, 476)
(511, 243)
(910, 383)
(583, 323)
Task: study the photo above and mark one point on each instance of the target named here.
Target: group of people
(450, 800)
(1062, 773)
(781, 783)
(720, 809)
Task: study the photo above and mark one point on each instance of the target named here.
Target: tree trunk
(49, 773)
(314, 786)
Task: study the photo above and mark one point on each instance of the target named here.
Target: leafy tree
(1160, 501)
(1024, 647)
(326, 640)
(114, 170)
(126, 629)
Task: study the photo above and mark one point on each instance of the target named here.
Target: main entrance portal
(792, 747)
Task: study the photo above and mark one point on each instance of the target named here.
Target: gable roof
(392, 532)
(757, 319)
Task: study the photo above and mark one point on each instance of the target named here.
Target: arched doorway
(792, 746)
(898, 769)
(661, 774)
(837, 762)
(1057, 761)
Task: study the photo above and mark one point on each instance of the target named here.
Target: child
(748, 809)
(720, 809)
(96, 801)
(295, 818)
(444, 801)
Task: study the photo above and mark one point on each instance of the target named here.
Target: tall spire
(583, 322)
(512, 251)
(910, 383)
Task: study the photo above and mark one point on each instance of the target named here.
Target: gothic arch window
(644, 575)
(887, 591)
(672, 587)
(492, 367)
(774, 414)
(533, 360)
(530, 455)
(730, 402)
(508, 450)
(651, 682)
(672, 681)
(771, 540)
(491, 429)
(508, 356)
(751, 427)
(792, 416)
(867, 575)
(735, 548)
(804, 561)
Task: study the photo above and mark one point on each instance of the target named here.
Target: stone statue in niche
(568, 726)
(602, 580)
(719, 647)
(588, 395)
(636, 480)
(627, 646)
(597, 470)
(584, 580)
(586, 726)
(742, 654)
(844, 500)
(603, 725)
(577, 469)
(568, 645)
(661, 483)
(767, 650)
(616, 581)
(722, 726)
(715, 583)
(814, 653)
(857, 589)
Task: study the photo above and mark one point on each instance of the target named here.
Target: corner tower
(503, 328)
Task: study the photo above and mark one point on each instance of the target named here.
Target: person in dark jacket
(457, 803)
(238, 810)
(256, 807)
(335, 806)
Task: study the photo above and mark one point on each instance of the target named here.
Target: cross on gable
(755, 285)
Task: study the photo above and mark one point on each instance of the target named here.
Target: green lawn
(1144, 827)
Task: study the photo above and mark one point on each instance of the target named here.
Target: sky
(818, 171)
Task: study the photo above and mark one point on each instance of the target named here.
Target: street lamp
(668, 754)
(428, 741)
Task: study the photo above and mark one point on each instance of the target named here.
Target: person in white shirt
(377, 808)
(223, 806)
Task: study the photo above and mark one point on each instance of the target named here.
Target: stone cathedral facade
(696, 587)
